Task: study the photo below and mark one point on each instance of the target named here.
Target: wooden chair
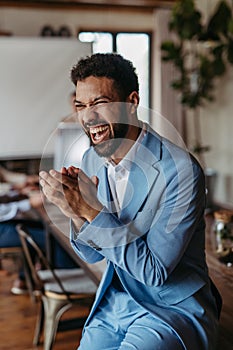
(60, 289)
(15, 253)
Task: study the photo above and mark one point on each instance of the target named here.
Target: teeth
(98, 129)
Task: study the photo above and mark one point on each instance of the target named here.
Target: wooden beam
(133, 4)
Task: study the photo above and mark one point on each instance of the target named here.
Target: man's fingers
(64, 171)
(95, 180)
(53, 195)
(56, 179)
(73, 171)
(83, 177)
(49, 177)
(56, 175)
(70, 182)
(55, 182)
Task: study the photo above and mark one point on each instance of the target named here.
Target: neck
(129, 140)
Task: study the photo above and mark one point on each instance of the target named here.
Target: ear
(133, 98)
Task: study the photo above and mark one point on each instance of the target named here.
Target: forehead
(92, 87)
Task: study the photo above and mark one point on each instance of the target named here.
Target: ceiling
(141, 4)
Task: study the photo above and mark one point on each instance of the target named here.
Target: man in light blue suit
(138, 202)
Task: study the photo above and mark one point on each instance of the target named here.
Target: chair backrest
(26, 241)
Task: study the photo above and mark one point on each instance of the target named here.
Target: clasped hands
(73, 192)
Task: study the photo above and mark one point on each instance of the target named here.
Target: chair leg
(53, 309)
(39, 325)
(28, 280)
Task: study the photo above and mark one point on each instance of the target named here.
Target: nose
(88, 115)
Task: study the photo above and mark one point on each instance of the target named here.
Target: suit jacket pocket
(181, 290)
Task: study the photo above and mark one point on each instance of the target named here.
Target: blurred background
(41, 40)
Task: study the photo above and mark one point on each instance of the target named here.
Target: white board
(34, 91)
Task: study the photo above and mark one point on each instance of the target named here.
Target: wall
(35, 74)
(29, 21)
(217, 127)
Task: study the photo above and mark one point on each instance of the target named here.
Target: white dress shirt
(118, 174)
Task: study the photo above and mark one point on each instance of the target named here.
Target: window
(133, 46)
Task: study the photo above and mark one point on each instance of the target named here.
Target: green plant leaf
(219, 21)
(178, 84)
(230, 26)
(198, 148)
(206, 69)
(219, 67)
(185, 20)
(209, 60)
(230, 52)
(171, 50)
(218, 50)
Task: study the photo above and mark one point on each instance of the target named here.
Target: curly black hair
(110, 65)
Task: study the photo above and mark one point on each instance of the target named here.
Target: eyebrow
(95, 99)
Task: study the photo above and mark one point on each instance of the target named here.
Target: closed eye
(79, 106)
(100, 102)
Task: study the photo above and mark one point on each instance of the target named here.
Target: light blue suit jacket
(156, 244)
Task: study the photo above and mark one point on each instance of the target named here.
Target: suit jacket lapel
(143, 175)
(140, 181)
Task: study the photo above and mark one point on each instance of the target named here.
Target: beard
(108, 148)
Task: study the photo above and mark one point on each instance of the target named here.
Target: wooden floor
(18, 317)
(18, 313)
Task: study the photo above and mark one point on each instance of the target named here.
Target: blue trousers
(121, 324)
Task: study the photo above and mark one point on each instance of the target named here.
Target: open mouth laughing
(106, 138)
(99, 133)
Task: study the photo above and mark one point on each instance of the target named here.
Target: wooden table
(222, 276)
